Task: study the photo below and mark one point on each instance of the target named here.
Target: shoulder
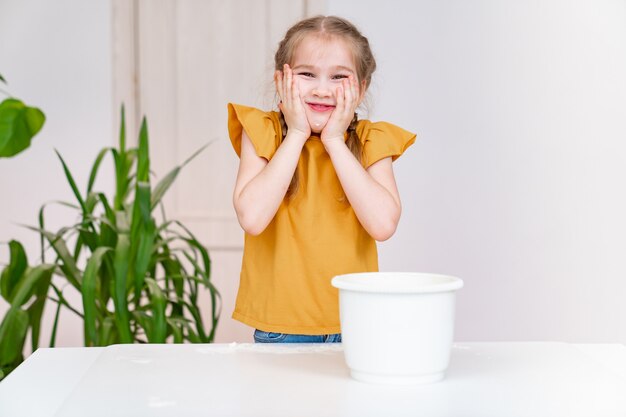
(251, 118)
(262, 127)
(382, 139)
(242, 111)
(368, 130)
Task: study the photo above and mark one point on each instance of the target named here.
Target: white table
(484, 379)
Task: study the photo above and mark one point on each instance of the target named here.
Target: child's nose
(322, 89)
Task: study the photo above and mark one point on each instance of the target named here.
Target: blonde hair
(328, 27)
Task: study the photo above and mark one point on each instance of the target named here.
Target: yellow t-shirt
(286, 270)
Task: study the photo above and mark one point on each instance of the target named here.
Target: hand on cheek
(347, 101)
(291, 104)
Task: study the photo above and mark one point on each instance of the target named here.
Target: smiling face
(319, 65)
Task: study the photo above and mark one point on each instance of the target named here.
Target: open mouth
(321, 107)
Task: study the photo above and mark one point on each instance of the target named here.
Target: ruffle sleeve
(263, 129)
(381, 140)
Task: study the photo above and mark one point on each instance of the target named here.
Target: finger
(278, 79)
(348, 95)
(295, 91)
(354, 89)
(302, 103)
(288, 79)
(283, 80)
(340, 100)
(357, 88)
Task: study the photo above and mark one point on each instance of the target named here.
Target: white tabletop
(484, 379)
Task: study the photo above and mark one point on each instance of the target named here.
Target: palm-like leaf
(139, 279)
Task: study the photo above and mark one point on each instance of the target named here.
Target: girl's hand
(291, 103)
(347, 102)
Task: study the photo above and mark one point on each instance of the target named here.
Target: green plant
(141, 279)
(21, 285)
(19, 123)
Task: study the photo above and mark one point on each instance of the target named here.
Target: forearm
(257, 202)
(377, 209)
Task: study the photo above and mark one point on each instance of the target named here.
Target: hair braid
(294, 185)
(353, 142)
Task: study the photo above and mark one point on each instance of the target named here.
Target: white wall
(55, 55)
(516, 184)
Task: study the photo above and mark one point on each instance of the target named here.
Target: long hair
(329, 27)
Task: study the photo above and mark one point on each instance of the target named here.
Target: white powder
(275, 348)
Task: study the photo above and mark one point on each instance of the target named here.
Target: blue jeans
(267, 337)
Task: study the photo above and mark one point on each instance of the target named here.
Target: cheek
(304, 86)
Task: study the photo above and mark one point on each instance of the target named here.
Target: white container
(397, 327)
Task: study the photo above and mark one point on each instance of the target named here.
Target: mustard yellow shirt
(286, 270)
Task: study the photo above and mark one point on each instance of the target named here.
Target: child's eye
(306, 74)
(339, 76)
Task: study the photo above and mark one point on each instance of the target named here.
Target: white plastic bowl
(397, 327)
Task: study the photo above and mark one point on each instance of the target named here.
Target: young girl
(315, 187)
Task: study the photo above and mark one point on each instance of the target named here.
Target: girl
(315, 186)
